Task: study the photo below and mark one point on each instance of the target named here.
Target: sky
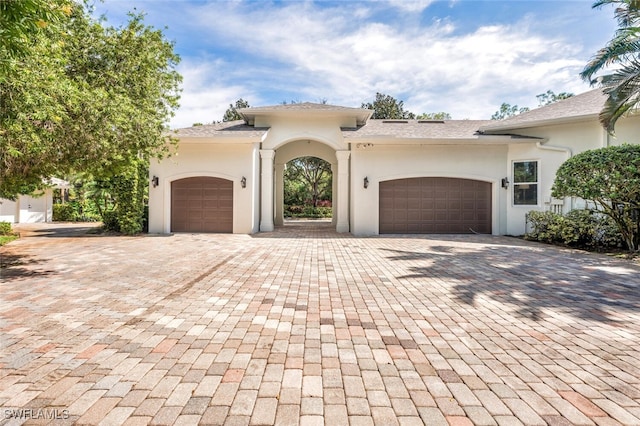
(463, 57)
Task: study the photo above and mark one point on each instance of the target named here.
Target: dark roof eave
(510, 136)
(538, 123)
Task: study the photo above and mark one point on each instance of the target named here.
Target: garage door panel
(202, 204)
(435, 205)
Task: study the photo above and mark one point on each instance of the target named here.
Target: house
(389, 176)
(31, 208)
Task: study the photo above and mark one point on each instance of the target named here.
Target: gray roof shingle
(583, 106)
(235, 128)
(416, 129)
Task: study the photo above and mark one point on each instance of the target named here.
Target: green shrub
(544, 226)
(578, 228)
(63, 213)
(5, 228)
(110, 221)
(307, 211)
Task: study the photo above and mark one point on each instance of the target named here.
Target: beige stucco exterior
(258, 148)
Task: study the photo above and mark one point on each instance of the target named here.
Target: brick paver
(305, 326)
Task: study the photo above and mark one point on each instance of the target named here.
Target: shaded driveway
(305, 326)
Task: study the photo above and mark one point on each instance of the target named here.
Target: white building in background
(389, 176)
(32, 208)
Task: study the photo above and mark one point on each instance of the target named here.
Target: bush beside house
(584, 229)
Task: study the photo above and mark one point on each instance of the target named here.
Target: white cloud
(345, 52)
(205, 97)
(413, 6)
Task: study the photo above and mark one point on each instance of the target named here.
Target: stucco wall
(227, 161)
(325, 130)
(8, 211)
(28, 208)
(562, 142)
(386, 162)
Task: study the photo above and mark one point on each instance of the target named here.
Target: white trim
(307, 136)
(165, 184)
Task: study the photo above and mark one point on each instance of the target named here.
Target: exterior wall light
(155, 181)
(366, 182)
(243, 182)
(505, 182)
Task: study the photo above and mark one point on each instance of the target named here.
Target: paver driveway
(303, 326)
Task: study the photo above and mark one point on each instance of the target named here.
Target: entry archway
(307, 184)
(304, 148)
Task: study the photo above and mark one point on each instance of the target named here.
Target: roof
(236, 128)
(394, 131)
(303, 106)
(416, 129)
(576, 108)
(306, 108)
(580, 107)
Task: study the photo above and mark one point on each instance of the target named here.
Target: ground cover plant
(6, 233)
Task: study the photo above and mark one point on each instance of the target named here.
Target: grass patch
(6, 239)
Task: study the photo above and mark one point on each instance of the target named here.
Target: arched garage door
(435, 206)
(202, 204)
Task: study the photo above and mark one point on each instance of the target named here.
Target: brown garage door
(202, 204)
(435, 206)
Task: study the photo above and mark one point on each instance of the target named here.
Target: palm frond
(623, 47)
(627, 12)
(623, 94)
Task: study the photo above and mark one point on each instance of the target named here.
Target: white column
(334, 194)
(266, 212)
(279, 185)
(343, 191)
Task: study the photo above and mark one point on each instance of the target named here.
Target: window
(525, 183)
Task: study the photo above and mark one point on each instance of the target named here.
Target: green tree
(434, 116)
(87, 99)
(622, 85)
(232, 114)
(387, 107)
(609, 178)
(550, 97)
(21, 20)
(507, 110)
(315, 176)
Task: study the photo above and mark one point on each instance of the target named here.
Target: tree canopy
(434, 116)
(310, 178)
(550, 97)
(387, 107)
(610, 178)
(507, 110)
(622, 52)
(232, 114)
(78, 96)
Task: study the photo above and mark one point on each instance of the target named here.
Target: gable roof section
(378, 131)
(585, 106)
(580, 107)
(305, 109)
(400, 132)
(234, 129)
(415, 129)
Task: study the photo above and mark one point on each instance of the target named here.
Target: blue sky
(463, 57)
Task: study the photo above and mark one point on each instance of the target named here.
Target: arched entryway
(307, 188)
(272, 194)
